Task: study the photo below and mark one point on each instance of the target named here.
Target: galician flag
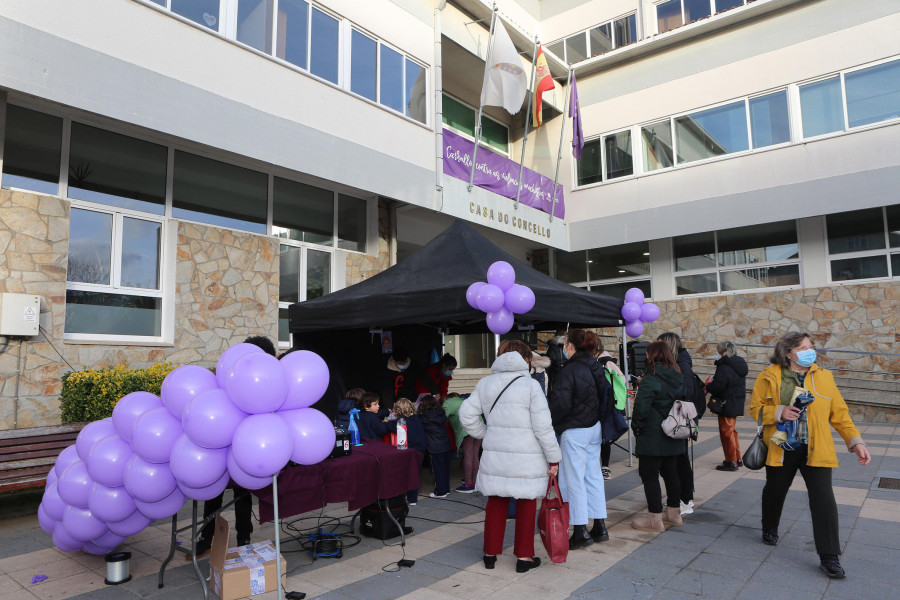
(575, 113)
(505, 79)
(542, 83)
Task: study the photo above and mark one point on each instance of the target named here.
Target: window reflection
(303, 212)
(31, 150)
(113, 314)
(695, 251)
(254, 24)
(576, 48)
(324, 46)
(391, 78)
(416, 91)
(90, 247)
(351, 223)
(289, 273)
(140, 253)
(760, 277)
(601, 39)
(363, 65)
(769, 121)
(657, 146)
(668, 15)
(712, 132)
(590, 167)
(292, 27)
(202, 12)
(873, 94)
(821, 107)
(855, 231)
(618, 155)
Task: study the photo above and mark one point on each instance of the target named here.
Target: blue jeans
(580, 478)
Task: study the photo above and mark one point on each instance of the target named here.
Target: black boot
(580, 538)
(599, 532)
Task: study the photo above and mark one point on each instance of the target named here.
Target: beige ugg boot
(673, 516)
(648, 522)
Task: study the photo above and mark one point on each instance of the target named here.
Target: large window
(220, 194)
(821, 107)
(711, 132)
(461, 118)
(742, 258)
(864, 244)
(597, 40)
(610, 271)
(113, 275)
(671, 14)
(605, 158)
(31, 153)
(304, 274)
(322, 43)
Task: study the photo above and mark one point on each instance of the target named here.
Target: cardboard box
(242, 571)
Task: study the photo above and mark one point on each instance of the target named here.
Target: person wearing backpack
(657, 452)
(620, 394)
(693, 391)
(575, 409)
(729, 386)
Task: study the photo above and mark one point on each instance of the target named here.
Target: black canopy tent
(422, 297)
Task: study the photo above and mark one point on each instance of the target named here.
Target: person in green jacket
(657, 453)
(469, 447)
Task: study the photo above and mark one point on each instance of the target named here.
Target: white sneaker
(607, 474)
(687, 509)
(433, 495)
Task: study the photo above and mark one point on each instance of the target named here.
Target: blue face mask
(448, 373)
(403, 367)
(565, 355)
(806, 358)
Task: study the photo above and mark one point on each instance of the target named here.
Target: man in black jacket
(400, 376)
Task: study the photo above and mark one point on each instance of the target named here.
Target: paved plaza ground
(716, 554)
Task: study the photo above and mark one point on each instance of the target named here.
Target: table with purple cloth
(373, 471)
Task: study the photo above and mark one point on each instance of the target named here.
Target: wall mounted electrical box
(19, 314)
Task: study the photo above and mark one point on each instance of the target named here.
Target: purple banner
(500, 175)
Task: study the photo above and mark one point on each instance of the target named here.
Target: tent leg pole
(627, 405)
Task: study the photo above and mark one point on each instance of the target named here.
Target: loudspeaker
(637, 357)
(375, 522)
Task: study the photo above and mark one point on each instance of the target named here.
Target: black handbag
(716, 406)
(755, 456)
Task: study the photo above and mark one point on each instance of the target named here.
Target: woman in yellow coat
(793, 366)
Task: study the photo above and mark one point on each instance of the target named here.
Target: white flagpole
(561, 132)
(487, 65)
(527, 117)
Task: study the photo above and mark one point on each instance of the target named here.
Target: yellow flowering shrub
(91, 395)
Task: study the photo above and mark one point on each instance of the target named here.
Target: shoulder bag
(503, 390)
(679, 424)
(755, 456)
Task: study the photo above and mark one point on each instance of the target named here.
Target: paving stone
(795, 570)
(755, 590)
(664, 555)
(717, 564)
(687, 541)
(707, 585)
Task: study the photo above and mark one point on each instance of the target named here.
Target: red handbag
(553, 523)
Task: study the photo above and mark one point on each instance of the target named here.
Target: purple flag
(575, 113)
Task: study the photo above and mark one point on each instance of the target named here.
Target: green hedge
(91, 395)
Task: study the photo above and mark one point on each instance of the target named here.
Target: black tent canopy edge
(429, 289)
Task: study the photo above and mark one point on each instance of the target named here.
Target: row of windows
(121, 197)
(671, 14)
(836, 103)
(596, 40)
(317, 41)
(861, 244)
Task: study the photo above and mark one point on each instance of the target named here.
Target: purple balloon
(634, 329)
(501, 274)
(307, 376)
(206, 493)
(130, 526)
(490, 298)
(109, 539)
(518, 299)
(111, 504)
(257, 383)
(44, 520)
(631, 312)
(51, 502)
(472, 294)
(649, 312)
(244, 479)
(52, 477)
(634, 295)
(67, 457)
(162, 509)
(65, 542)
(148, 482)
(106, 461)
(196, 466)
(229, 356)
(184, 384)
(92, 548)
(262, 445)
(91, 434)
(313, 435)
(500, 321)
(74, 485)
(211, 418)
(81, 524)
(129, 408)
(154, 433)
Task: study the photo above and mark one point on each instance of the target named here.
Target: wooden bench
(27, 455)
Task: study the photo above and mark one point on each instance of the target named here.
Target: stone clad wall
(362, 266)
(226, 289)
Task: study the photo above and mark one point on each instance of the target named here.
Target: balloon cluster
(244, 423)
(500, 297)
(636, 313)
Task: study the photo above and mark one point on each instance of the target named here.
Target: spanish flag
(542, 83)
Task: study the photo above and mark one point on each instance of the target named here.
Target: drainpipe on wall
(438, 109)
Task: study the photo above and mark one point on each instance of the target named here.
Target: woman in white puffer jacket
(519, 449)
